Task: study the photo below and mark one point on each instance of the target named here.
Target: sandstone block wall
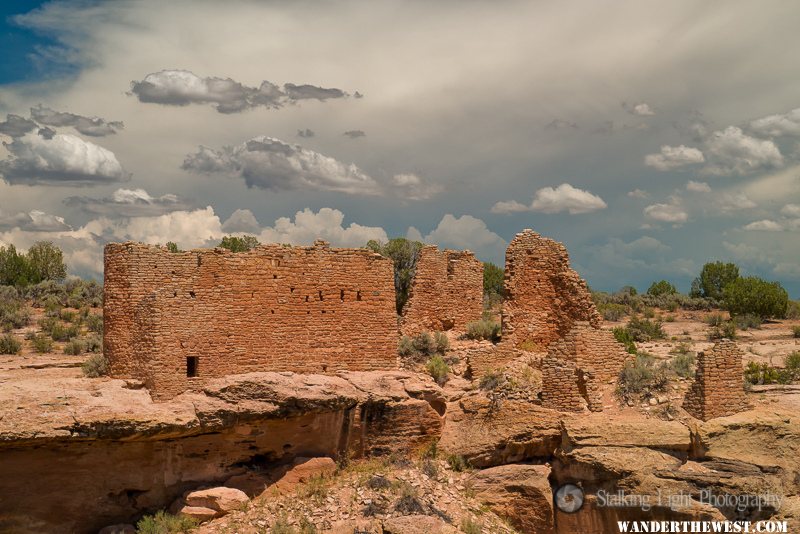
(581, 365)
(486, 358)
(718, 388)
(446, 293)
(544, 296)
(274, 308)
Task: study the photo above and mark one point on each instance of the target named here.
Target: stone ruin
(717, 390)
(446, 293)
(577, 367)
(544, 297)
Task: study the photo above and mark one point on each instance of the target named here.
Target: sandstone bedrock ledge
(75, 458)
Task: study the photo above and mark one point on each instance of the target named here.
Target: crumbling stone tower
(578, 366)
(544, 297)
(446, 293)
(717, 390)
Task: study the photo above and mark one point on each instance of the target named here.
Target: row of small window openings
(321, 297)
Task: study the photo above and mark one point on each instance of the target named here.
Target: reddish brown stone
(718, 389)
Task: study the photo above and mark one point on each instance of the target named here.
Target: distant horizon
(648, 138)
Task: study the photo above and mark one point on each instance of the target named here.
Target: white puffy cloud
(731, 151)
(33, 221)
(791, 210)
(242, 222)
(673, 157)
(129, 203)
(638, 193)
(186, 228)
(270, 163)
(325, 224)
(642, 109)
(466, 232)
(565, 197)
(182, 87)
(764, 225)
(728, 202)
(778, 125)
(62, 160)
(672, 213)
(411, 186)
(698, 187)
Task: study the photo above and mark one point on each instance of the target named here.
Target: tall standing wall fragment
(718, 388)
(446, 293)
(544, 297)
(173, 320)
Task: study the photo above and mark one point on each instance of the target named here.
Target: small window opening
(192, 294)
(358, 295)
(274, 276)
(341, 295)
(320, 296)
(306, 298)
(199, 261)
(191, 366)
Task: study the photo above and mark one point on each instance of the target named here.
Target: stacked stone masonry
(718, 388)
(446, 293)
(173, 320)
(578, 366)
(544, 297)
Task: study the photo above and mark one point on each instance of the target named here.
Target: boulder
(200, 513)
(220, 499)
(122, 528)
(417, 524)
(301, 470)
(520, 493)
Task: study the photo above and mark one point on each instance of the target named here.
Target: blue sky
(649, 137)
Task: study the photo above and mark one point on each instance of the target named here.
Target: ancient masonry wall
(212, 312)
(446, 293)
(544, 296)
(579, 366)
(717, 390)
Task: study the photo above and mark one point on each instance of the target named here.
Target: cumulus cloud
(638, 193)
(272, 164)
(764, 225)
(787, 124)
(791, 210)
(728, 202)
(698, 187)
(62, 160)
(186, 228)
(466, 232)
(16, 126)
(554, 200)
(181, 87)
(355, 134)
(129, 203)
(241, 222)
(731, 151)
(673, 157)
(91, 126)
(33, 221)
(325, 224)
(642, 109)
(409, 185)
(671, 213)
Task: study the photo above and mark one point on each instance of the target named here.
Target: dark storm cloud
(129, 203)
(33, 221)
(16, 126)
(182, 87)
(91, 126)
(305, 133)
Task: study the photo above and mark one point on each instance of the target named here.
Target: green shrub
(793, 309)
(163, 523)
(42, 343)
(611, 311)
(493, 277)
(9, 344)
(424, 343)
(438, 369)
(95, 366)
(404, 254)
(405, 346)
(641, 375)
(726, 330)
(74, 347)
(792, 365)
(441, 342)
(483, 329)
(457, 463)
(68, 316)
(94, 322)
(470, 526)
(60, 332)
(683, 365)
(758, 374)
(622, 335)
(644, 329)
(661, 287)
(747, 321)
(93, 343)
(171, 246)
(796, 331)
(714, 278)
(491, 380)
(715, 319)
(239, 244)
(752, 295)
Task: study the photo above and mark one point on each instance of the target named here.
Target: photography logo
(569, 498)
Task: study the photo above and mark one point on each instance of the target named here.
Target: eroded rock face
(520, 493)
(417, 524)
(55, 464)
